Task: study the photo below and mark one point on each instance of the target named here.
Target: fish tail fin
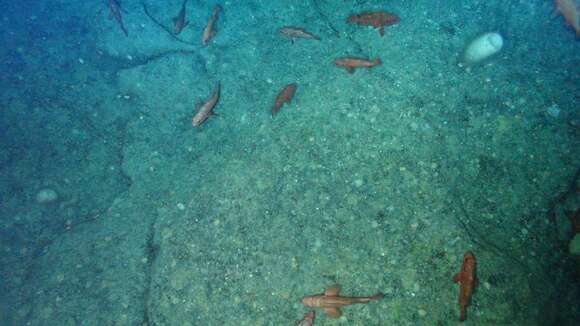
(377, 296)
(462, 315)
(377, 61)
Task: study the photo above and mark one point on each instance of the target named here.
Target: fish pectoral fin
(457, 278)
(350, 70)
(332, 291)
(382, 31)
(333, 312)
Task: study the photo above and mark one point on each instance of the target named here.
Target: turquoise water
(116, 211)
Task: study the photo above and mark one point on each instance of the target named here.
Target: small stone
(46, 196)
(422, 312)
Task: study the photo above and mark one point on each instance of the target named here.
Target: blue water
(115, 210)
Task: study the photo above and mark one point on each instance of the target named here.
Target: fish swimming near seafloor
(115, 13)
(331, 302)
(296, 32)
(378, 19)
(209, 30)
(179, 21)
(350, 63)
(285, 96)
(205, 110)
(467, 280)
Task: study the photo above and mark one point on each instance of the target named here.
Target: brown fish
(378, 19)
(285, 96)
(296, 32)
(308, 319)
(209, 30)
(350, 63)
(331, 302)
(179, 21)
(205, 110)
(467, 282)
(115, 13)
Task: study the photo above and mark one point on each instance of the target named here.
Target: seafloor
(379, 180)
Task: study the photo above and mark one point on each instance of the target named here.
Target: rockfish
(375, 19)
(350, 64)
(467, 282)
(205, 110)
(296, 32)
(285, 96)
(209, 30)
(331, 302)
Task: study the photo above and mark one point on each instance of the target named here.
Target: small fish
(377, 19)
(296, 32)
(285, 96)
(571, 12)
(467, 282)
(179, 22)
(331, 302)
(308, 319)
(209, 30)
(115, 13)
(350, 63)
(205, 110)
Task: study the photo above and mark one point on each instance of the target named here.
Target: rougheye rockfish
(331, 302)
(467, 282)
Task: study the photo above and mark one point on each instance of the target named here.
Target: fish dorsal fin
(332, 291)
(333, 312)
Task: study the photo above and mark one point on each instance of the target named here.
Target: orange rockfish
(467, 282)
(350, 63)
(285, 96)
(331, 302)
(205, 110)
(209, 30)
(378, 20)
(179, 21)
(115, 13)
(307, 320)
(296, 32)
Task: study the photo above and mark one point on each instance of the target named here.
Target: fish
(350, 63)
(307, 320)
(205, 110)
(209, 30)
(285, 96)
(296, 32)
(115, 13)
(179, 22)
(571, 12)
(331, 302)
(467, 280)
(378, 19)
